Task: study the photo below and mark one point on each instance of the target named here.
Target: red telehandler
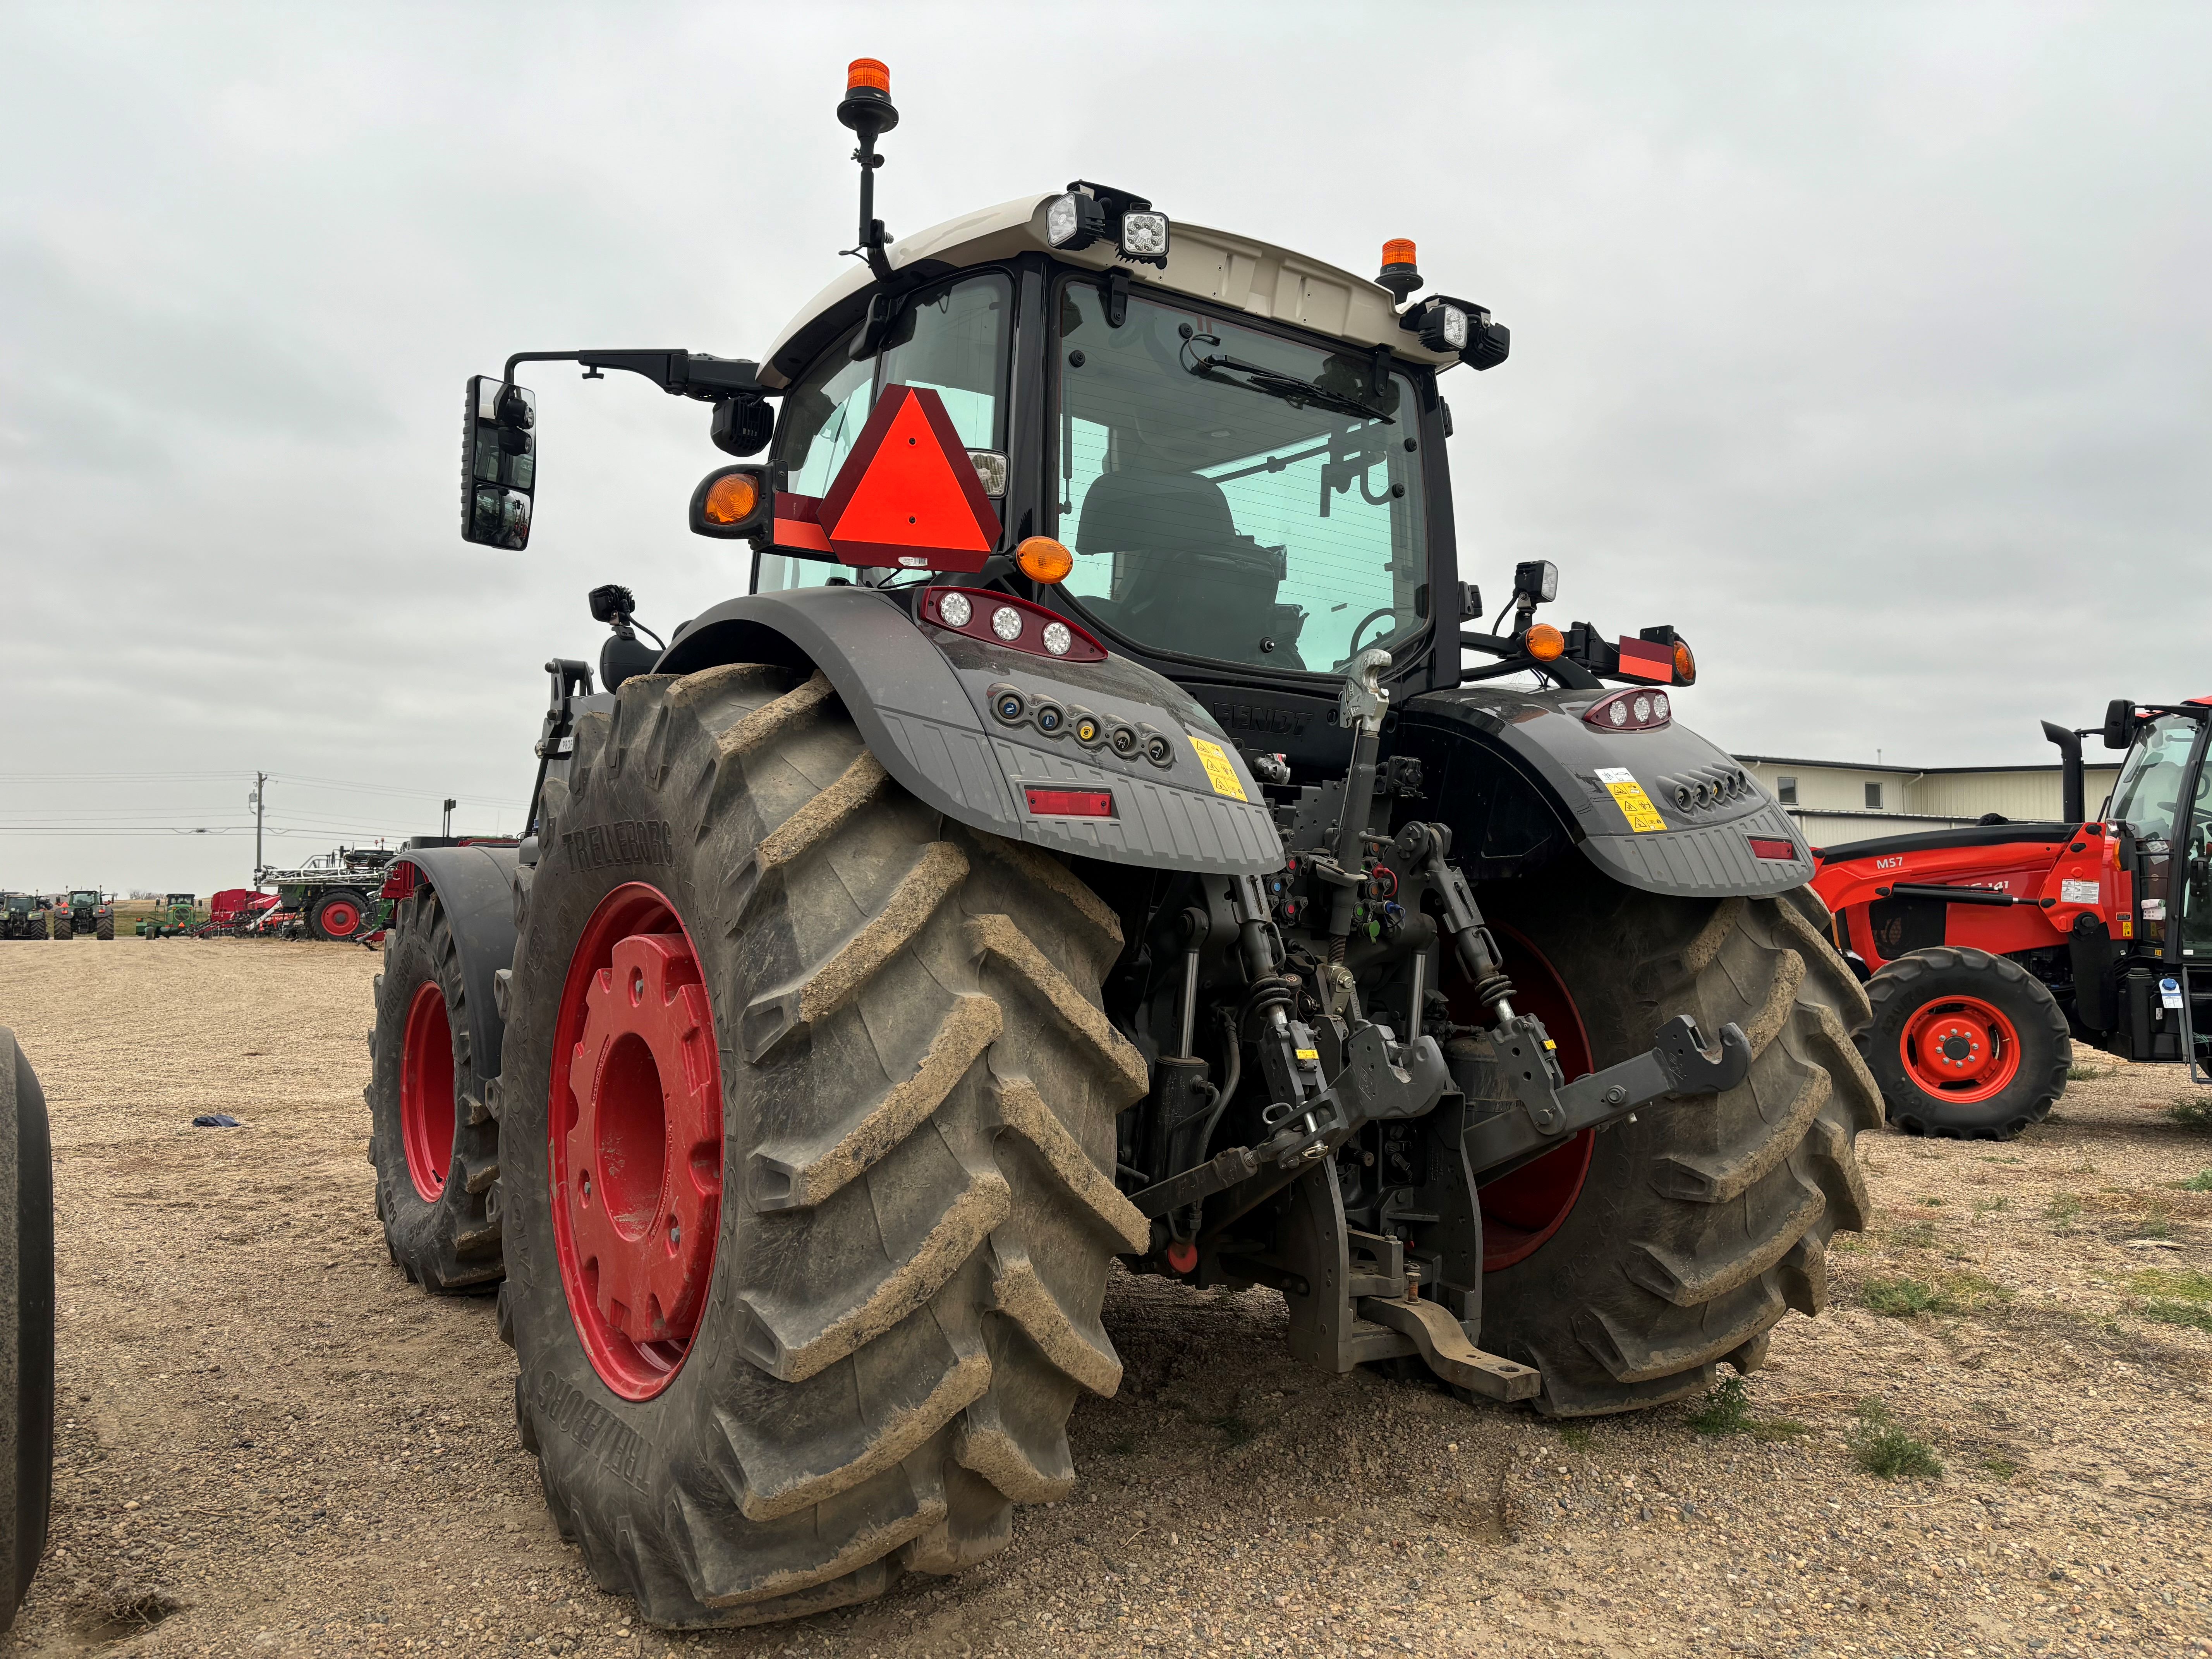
(1989, 950)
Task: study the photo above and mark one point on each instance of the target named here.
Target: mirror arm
(677, 371)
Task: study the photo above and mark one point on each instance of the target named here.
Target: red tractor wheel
(339, 913)
(1964, 1044)
(432, 1138)
(807, 1107)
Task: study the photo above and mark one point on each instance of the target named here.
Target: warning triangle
(908, 494)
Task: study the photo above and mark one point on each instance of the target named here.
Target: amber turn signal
(1044, 560)
(1686, 664)
(1544, 642)
(730, 499)
(868, 72)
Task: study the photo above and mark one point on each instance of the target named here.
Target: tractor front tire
(26, 1326)
(431, 1136)
(807, 1119)
(340, 915)
(1965, 1045)
(1698, 1222)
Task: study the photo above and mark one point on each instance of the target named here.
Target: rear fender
(475, 887)
(1521, 778)
(921, 697)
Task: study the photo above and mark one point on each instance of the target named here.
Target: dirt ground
(270, 1443)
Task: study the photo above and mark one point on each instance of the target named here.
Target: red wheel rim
(634, 1133)
(1523, 1210)
(1959, 1049)
(426, 1092)
(342, 917)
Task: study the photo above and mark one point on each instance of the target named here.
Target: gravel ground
(271, 1443)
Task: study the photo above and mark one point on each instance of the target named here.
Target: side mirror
(499, 463)
(2119, 722)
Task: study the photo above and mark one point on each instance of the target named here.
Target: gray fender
(1539, 739)
(920, 698)
(475, 885)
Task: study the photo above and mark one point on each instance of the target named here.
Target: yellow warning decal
(1628, 795)
(1308, 1054)
(1220, 770)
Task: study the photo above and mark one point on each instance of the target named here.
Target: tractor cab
(2158, 821)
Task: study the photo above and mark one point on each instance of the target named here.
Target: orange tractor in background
(1989, 949)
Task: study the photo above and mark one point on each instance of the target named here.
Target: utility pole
(261, 789)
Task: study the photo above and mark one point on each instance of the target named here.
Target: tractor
(23, 915)
(1989, 949)
(1082, 842)
(86, 910)
(332, 896)
(180, 913)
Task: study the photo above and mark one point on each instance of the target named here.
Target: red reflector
(1770, 846)
(1071, 803)
(1647, 660)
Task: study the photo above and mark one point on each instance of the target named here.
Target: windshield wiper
(1277, 384)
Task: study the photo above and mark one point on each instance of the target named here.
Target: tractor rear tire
(61, 928)
(1698, 1221)
(432, 1139)
(26, 1326)
(103, 928)
(340, 915)
(2014, 1046)
(887, 1096)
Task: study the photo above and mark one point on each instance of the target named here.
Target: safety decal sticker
(1220, 771)
(1628, 795)
(2076, 893)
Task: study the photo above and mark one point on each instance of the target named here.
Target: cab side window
(952, 338)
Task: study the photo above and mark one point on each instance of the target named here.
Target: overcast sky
(1868, 346)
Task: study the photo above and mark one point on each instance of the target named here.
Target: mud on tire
(440, 1225)
(2039, 1027)
(1702, 1221)
(917, 1213)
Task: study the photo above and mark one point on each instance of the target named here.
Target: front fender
(919, 696)
(1497, 748)
(475, 886)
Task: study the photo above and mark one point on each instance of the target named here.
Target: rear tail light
(1005, 620)
(1071, 803)
(1634, 710)
(1772, 847)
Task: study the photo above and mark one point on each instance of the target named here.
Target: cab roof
(1257, 278)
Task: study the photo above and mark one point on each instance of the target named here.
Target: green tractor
(22, 916)
(180, 913)
(1087, 841)
(86, 911)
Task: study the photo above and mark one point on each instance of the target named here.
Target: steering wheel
(1389, 611)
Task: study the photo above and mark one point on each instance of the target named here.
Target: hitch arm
(1679, 1063)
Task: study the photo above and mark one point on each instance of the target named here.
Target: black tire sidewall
(2018, 995)
(29, 1406)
